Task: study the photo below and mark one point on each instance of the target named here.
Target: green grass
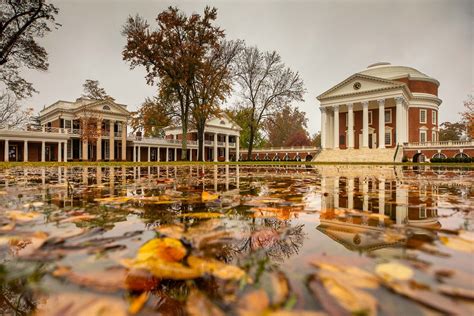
(197, 163)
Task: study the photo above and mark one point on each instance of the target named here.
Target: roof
(388, 71)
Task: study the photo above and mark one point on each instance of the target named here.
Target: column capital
(322, 109)
(399, 100)
(350, 106)
(336, 107)
(365, 104)
(381, 102)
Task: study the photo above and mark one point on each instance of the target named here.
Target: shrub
(405, 159)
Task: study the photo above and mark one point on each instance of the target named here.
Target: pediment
(223, 120)
(357, 84)
(108, 106)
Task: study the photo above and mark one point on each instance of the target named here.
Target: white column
(149, 152)
(365, 124)
(59, 152)
(400, 123)
(237, 148)
(381, 123)
(176, 154)
(350, 193)
(350, 125)
(365, 194)
(112, 141)
(65, 151)
(139, 153)
(226, 148)
(5, 153)
(157, 153)
(134, 155)
(43, 149)
(99, 141)
(407, 126)
(336, 127)
(323, 128)
(215, 147)
(124, 141)
(381, 200)
(25, 151)
(167, 155)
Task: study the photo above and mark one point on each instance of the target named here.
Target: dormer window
(222, 122)
(106, 108)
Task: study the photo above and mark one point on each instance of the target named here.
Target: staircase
(360, 155)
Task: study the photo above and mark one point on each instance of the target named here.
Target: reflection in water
(269, 218)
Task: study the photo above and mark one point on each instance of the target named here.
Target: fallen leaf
(206, 196)
(456, 291)
(167, 249)
(393, 271)
(201, 215)
(253, 303)
(216, 268)
(458, 243)
(113, 200)
(22, 216)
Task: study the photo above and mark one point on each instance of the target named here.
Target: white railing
(220, 144)
(209, 142)
(449, 143)
(283, 149)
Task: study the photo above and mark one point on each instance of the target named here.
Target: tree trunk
(184, 140)
(251, 137)
(200, 136)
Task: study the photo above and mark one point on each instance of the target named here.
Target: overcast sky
(326, 41)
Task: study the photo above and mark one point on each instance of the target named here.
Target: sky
(325, 41)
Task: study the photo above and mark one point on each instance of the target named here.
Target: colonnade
(61, 145)
(111, 134)
(330, 127)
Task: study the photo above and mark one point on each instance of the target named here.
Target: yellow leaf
(216, 268)
(354, 276)
(458, 243)
(166, 249)
(393, 271)
(113, 200)
(22, 216)
(168, 270)
(138, 302)
(206, 196)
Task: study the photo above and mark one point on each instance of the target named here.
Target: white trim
(423, 131)
(391, 120)
(370, 117)
(434, 117)
(426, 116)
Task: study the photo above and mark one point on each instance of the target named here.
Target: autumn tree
(267, 85)
(468, 116)
(451, 131)
(172, 54)
(241, 116)
(212, 85)
(281, 132)
(21, 24)
(91, 123)
(92, 90)
(316, 140)
(152, 116)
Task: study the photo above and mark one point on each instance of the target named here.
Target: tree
(11, 113)
(172, 54)
(279, 131)
(451, 131)
(266, 86)
(92, 90)
(91, 126)
(468, 116)
(21, 24)
(153, 115)
(241, 116)
(212, 85)
(316, 140)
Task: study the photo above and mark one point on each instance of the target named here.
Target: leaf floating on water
(393, 271)
(458, 243)
(113, 200)
(169, 270)
(216, 268)
(201, 215)
(207, 197)
(140, 280)
(166, 249)
(199, 305)
(137, 303)
(171, 230)
(22, 216)
(456, 291)
(254, 303)
(23, 246)
(78, 303)
(354, 276)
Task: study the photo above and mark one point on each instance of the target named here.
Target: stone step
(357, 155)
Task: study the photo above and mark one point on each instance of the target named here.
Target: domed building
(380, 108)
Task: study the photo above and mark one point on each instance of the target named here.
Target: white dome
(387, 71)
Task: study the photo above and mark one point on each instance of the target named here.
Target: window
(423, 116)
(439, 155)
(422, 136)
(433, 136)
(461, 155)
(222, 122)
(68, 124)
(106, 108)
(388, 116)
(433, 116)
(422, 213)
(370, 117)
(388, 138)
